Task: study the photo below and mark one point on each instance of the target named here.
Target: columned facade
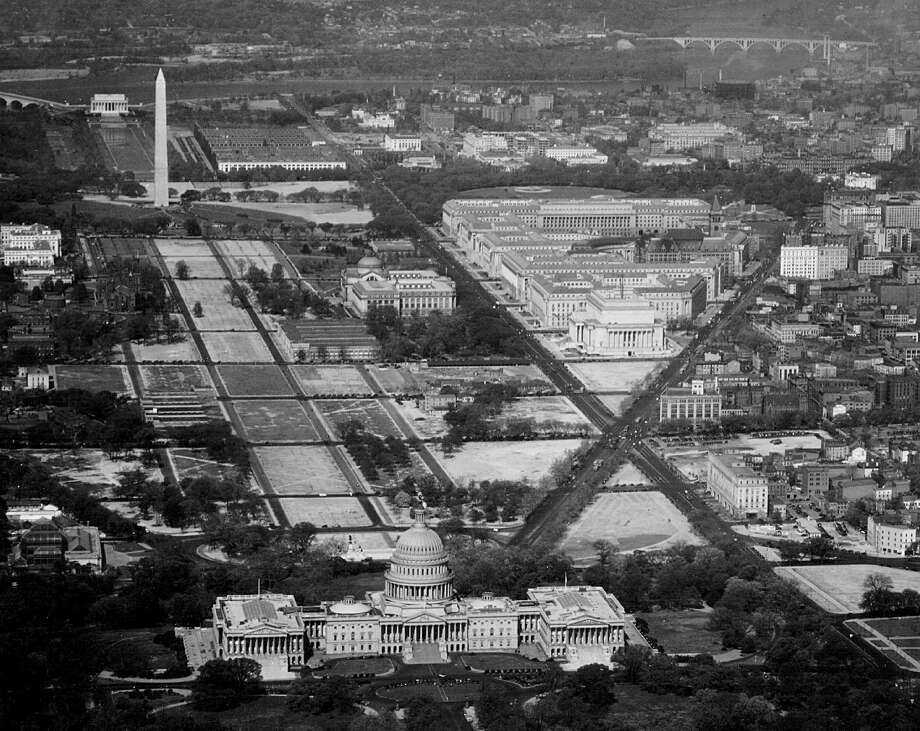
(418, 570)
(419, 617)
(617, 327)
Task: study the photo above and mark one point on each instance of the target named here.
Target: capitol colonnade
(418, 616)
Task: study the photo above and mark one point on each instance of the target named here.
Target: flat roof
(571, 603)
(279, 610)
(325, 332)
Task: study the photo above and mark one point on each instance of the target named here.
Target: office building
(812, 262)
(738, 489)
(402, 143)
(680, 137)
(891, 536)
(690, 404)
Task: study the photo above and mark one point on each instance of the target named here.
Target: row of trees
(476, 332)
(27, 478)
(489, 500)
(424, 193)
(193, 501)
(481, 420)
(80, 418)
(277, 294)
(371, 453)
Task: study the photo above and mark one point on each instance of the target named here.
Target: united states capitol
(418, 616)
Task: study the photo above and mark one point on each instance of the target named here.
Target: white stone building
(738, 489)
(410, 291)
(891, 537)
(24, 237)
(108, 105)
(689, 136)
(418, 616)
(690, 404)
(812, 262)
(402, 143)
(617, 327)
(576, 155)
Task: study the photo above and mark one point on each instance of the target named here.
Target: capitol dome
(418, 567)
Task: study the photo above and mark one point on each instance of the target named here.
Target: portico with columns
(419, 617)
(626, 327)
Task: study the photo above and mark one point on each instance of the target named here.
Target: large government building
(418, 616)
(551, 255)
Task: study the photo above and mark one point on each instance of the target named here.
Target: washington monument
(160, 166)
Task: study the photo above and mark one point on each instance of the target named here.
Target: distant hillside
(170, 26)
(295, 20)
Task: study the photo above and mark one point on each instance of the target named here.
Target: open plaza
(414, 379)
(326, 512)
(242, 254)
(236, 347)
(528, 460)
(197, 255)
(302, 470)
(276, 420)
(112, 378)
(331, 380)
(616, 375)
(546, 411)
(367, 412)
(218, 314)
(631, 521)
(174, 377)
(254, 380)
(838, 588)
(178, 351)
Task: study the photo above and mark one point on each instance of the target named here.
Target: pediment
(587, 621)
(265, 630)
(424, 619)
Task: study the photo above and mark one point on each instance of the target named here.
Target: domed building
(369, 284)
(368, 264)
(419, 617)
(418, 568)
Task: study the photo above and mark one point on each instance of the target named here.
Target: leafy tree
(223, 684)
(316, 696)
(819, 546)
(422, 714)
(712, 709)
(182, 270)
(633, 659)
(197, 310)
(497, 708)
(593, 684)
(879, 595)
